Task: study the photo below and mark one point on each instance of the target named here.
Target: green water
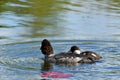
(90, 24)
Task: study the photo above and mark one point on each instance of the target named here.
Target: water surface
(90, 24)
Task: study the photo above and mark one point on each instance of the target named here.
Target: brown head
(46, 48)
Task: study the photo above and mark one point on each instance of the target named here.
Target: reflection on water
(91, 24)
(46, 66)
(35, 19)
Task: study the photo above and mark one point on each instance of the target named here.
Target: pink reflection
(53, 74)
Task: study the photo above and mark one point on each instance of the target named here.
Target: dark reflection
(68, 64)
(46, 66)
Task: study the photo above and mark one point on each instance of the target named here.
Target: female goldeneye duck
(94, 56)
(62, 57)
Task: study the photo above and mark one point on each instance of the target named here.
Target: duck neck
(49, 56)
(77, 51)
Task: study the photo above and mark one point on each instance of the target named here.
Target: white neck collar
(77, 51)
(51, 55)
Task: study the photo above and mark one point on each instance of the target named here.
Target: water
(90, 24)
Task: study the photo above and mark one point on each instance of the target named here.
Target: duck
(72, 56)
(90, 54)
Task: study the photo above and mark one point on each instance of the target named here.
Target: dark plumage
(91, 55)
(88, 54)
(46, 48)
(73, 48)
(73, 56)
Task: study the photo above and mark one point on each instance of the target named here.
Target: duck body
(94, 56)
(88, 55)
(63, 57)
(69, 58)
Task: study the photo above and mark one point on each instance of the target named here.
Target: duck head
(75, 49)
(46, 48)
